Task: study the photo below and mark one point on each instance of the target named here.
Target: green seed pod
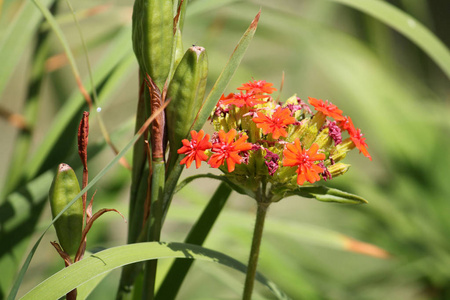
(153, 37)
(70, 225)
(186, 91)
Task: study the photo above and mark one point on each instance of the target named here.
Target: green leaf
(226, 75)
(197, 235)
(406, 25)
(327, 194)
(105, 261)
(127, 147)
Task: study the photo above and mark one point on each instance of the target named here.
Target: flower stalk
(261, 212)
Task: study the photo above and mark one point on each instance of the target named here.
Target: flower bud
(338, 169)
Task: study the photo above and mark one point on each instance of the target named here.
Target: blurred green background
(391, 89)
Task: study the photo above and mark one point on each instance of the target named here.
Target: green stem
(155, 224)
(254, 252)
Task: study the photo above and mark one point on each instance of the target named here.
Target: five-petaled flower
(228, 149)
(360, 143)
(355, 135)
(195, 149)
(276, 123)
(295, 155)
(257, 87)
(242, 99)
(328, 109)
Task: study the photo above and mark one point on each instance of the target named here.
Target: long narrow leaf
(226, 75)
(18, 281)
(178, 271)
(278, 228)
(113, 258)
(406, 25)
(17, 37)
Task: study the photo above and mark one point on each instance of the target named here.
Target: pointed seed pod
(186, 91)
(69, 226)
(153, 36)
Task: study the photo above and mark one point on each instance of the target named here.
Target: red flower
(227, 148)
(195, 149)
(241, 99)
(257, 87)
(307, 170)
(328, 109)
(355, 135)
(359, 141)
(276, 123)
(347, 124)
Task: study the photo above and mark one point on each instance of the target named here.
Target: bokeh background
(324, 49)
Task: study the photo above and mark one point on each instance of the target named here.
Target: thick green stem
(254, 252)
(155, 226)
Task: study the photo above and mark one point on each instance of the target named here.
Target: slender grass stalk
(256, 243)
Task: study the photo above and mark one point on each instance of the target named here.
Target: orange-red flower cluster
(259, 138)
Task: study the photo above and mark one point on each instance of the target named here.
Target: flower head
(195, 149)
(257, 87)
(295, 155)
(228, 149)
(328, 109)
(262, 144)
(276, 123)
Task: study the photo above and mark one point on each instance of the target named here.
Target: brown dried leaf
(157, 129)
(82, 248)
(63, 254)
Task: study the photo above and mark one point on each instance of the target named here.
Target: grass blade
(406, 25)
(68, 116)
(17, 38)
